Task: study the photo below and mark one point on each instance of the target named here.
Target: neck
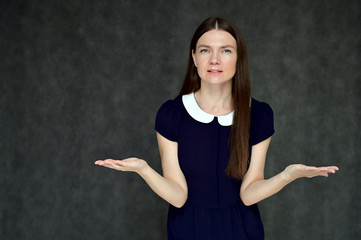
(215, 99)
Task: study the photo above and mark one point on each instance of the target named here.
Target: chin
(217, 81)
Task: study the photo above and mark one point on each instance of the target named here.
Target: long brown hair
(241, 94)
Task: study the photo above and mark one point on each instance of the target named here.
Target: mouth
(214, 71)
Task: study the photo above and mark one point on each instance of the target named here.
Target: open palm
(129, 164)
(295, 171)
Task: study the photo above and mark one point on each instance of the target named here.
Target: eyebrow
(207, 46)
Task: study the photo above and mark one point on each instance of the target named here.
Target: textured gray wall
(82, 80)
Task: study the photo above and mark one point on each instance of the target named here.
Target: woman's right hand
(129, 164)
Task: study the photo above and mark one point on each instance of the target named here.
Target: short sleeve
(262, 124)
(167, 121)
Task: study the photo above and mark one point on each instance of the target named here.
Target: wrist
(144, 171)
(286, 176)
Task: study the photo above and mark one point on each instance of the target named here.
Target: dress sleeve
(167, 121)
(262, 126)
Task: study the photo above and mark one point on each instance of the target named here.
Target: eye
(203, 50)
(227, 51)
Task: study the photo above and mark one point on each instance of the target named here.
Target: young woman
(213, 140)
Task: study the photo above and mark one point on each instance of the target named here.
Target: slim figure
(213, 140)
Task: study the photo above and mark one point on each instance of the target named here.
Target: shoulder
(262, 122)
(169, 117)
(171, 107)
(259, 107)
(172, 104)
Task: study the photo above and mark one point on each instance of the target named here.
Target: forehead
(217, 38)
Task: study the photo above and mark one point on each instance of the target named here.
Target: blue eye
(227, 51)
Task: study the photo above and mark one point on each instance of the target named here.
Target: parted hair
(241, 94)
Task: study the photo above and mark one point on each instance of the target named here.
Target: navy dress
(213, 210)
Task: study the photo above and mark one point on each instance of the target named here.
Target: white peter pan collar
(193, 109)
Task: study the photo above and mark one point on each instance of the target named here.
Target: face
(215, 57)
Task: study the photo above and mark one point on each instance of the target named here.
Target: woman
(213, 140)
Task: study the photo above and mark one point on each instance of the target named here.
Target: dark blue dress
(213, 209)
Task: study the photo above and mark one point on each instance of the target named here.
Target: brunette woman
(213, 140)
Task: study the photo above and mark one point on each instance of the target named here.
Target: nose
(215, 58)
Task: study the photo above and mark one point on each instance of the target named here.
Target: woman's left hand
(295, 171)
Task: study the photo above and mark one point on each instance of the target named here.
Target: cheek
(201, 60)
(202, 64)
(232, 63)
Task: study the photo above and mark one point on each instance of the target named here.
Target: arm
(172, 187)
(255, 188)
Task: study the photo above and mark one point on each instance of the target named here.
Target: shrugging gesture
(206, 136)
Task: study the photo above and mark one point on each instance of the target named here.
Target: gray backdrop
(83, 80)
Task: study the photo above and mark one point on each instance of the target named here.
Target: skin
(215, 51)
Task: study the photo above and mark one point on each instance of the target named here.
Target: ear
(194, 58)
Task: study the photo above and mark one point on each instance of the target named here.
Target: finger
(324, 171)
(99, 162)
(131, 159)
(119, 162)
(307, 168)
(102, 161)
(327, 171)
(320, 174)
(331, 167)
(108, 163)
(334, 168)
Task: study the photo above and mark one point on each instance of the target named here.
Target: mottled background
(83, 80)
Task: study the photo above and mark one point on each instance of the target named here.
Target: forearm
(258, 190)
(170, 191)
(261, 189)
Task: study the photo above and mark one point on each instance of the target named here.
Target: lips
(214, 71)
